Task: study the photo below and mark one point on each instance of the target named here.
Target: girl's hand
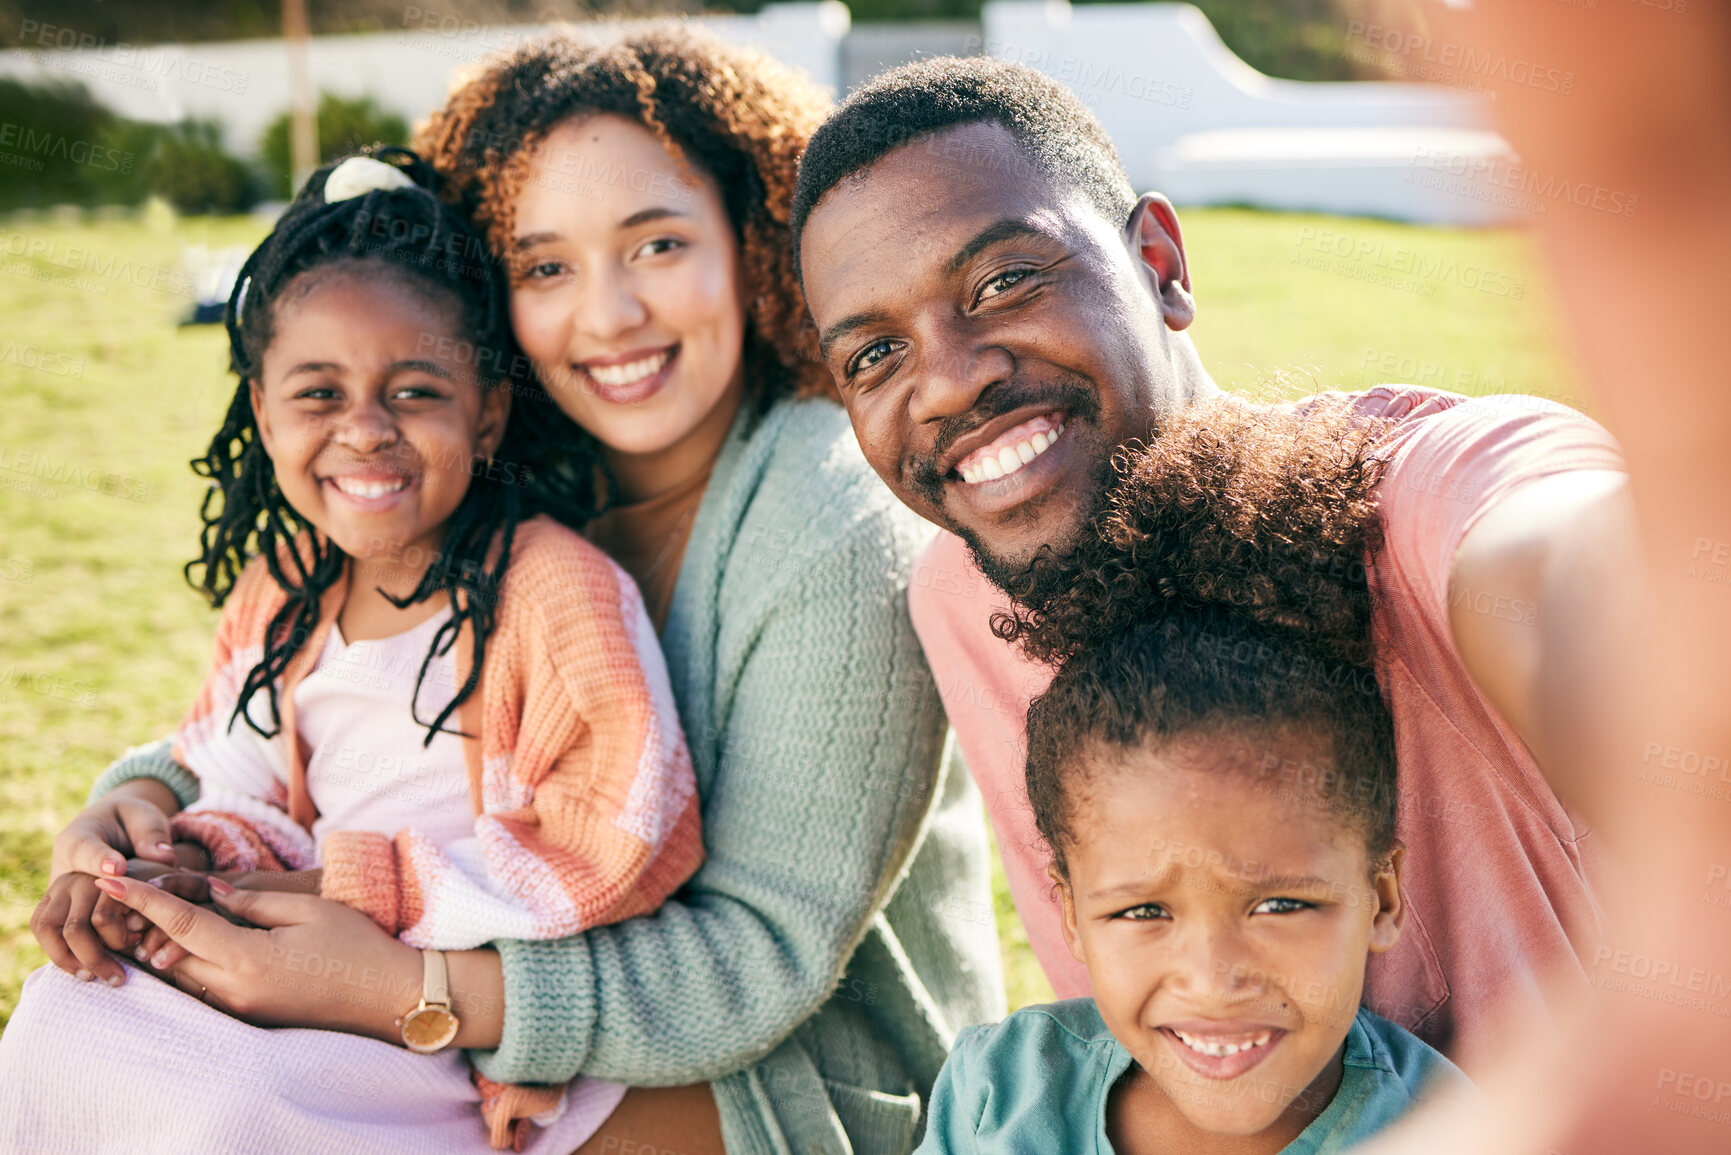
(77, 925)
(305, 961)
(131, 821)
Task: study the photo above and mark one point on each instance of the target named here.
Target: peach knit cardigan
(585, 802)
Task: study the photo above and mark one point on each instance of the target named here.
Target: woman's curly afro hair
(1221, 591)
(731, 112)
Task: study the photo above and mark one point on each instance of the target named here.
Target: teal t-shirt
(1037, 1083)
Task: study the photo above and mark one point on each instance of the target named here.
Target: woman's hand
(309, 962)
(160, 953)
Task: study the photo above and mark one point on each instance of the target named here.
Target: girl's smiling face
(371, 419)
(625, 288)
(1225, 919)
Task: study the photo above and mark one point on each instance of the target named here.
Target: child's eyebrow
(1291, 881)
(314, 367)
(431, 368)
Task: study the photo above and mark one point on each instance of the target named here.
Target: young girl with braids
(1213, 769)
(430, 700)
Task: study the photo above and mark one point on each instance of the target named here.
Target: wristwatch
(431, 1026)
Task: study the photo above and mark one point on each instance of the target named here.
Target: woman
(801, 992)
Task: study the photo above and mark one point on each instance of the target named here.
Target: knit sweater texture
(840, 931)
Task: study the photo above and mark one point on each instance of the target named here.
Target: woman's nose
(609, 307)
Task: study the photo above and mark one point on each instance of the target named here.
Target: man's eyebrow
(1001, 230)
(843, 327)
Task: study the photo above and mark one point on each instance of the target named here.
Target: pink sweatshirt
(1497, 876)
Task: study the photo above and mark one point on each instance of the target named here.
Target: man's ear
(260, 416)
(1391, 910)
(1157, 246)
(1067, 909)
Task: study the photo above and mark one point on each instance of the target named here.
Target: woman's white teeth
(1009, 459)
(1220, 1050)
(355, 487)
(630, 372)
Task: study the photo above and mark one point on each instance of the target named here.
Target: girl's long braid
(410, 232)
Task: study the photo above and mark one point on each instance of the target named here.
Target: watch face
(429, 1029)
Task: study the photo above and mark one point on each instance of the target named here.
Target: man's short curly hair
(1223, 590)
(733, 113)
(1059, 136)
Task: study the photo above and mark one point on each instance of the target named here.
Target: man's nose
(956, 366)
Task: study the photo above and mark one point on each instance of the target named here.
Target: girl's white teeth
(629, 373)
(1221, 1050)
(1009, 459)
(354, 487)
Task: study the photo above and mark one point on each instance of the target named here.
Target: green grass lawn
(103, 400)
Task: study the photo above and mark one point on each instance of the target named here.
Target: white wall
(244, 84)
(1193, 120)
(1187, 115)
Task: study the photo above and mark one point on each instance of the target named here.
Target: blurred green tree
(345, 126)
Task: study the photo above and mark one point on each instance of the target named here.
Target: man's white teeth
(1221, 1050)
(355, 487)
(1009, 459)
(631, 372)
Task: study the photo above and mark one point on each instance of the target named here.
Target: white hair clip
(363, 174)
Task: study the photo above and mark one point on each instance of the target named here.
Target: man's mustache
(1068, 392)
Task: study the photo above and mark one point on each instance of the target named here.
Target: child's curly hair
(733, 113)
(1221, 589)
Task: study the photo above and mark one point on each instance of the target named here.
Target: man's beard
(1037, 579)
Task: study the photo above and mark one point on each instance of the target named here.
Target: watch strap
(435, 979)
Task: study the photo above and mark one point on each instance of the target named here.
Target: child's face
(370, 415)
(1216, 914)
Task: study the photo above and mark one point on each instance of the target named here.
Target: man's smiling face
(994, 337)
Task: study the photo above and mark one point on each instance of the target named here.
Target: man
(1001, 313)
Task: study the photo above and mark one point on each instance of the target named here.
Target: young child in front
(447, 713)
(1213, 769)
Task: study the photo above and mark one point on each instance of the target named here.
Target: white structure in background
(244, 85)
(1188, 116)
(1197, 123)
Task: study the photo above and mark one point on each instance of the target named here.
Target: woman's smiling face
(1225, 919)
(625, 286)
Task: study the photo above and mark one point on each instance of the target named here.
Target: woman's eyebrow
(530, 240)
(644, 216)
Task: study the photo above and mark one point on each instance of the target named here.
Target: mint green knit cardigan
(817, 967)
